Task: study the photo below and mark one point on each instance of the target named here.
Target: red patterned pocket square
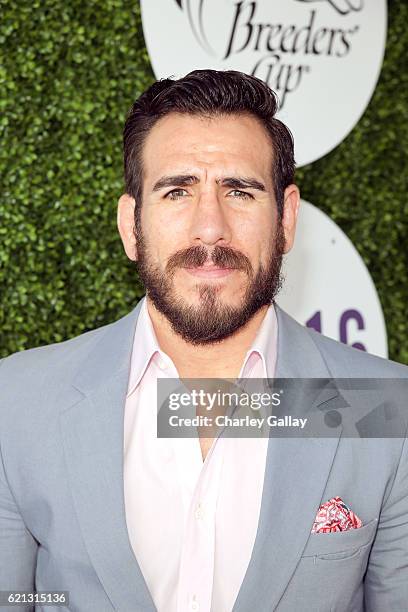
(335, 515)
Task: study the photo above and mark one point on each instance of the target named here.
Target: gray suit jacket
(62, 515)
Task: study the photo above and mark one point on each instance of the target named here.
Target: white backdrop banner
(328, 286)
(322, 57)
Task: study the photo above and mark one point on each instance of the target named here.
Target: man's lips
(209, 271)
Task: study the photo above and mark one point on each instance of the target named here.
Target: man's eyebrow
(177, 180)
(182, 180)
(241, 183)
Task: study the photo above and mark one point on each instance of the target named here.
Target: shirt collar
(264, 346)
(146, 347)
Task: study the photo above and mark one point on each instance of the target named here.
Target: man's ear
(126, 225)
(291, 201)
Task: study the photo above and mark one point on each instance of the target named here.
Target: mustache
(221, 256)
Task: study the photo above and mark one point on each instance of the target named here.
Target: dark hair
(207, 93)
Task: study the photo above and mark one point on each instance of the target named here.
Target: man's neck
(217, 360)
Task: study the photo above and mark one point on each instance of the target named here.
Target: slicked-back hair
(207, 93)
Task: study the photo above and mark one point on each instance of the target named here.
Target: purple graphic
(350, 315)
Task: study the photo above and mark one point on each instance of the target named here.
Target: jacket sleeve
(386, 581)
(18, 548)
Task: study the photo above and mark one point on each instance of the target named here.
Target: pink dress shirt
(191, 524)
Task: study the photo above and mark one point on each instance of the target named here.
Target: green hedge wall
(69, 72)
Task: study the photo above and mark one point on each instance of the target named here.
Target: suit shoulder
(40, 363)
(346, 361)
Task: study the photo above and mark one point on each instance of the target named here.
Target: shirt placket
(198, 550)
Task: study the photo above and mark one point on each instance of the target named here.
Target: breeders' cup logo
(322, 57)
(243, 16)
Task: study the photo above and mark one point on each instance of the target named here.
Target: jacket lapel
(92, 433)
(296, 473)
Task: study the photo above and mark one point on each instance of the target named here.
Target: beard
(212, 320)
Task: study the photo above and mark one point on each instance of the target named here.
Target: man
(93, 502)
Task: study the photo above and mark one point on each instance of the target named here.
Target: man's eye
(241, 194)
(176, 194)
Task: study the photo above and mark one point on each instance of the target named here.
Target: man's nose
(209, 223)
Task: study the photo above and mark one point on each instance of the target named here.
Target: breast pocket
(340, 545)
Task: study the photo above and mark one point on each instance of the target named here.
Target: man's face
(208, 240)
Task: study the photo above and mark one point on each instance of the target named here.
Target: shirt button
(199, 514)
(194, 605)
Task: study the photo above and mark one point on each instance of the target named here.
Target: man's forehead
(184, 144)
(234, 125)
